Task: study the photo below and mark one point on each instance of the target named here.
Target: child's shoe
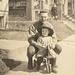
(54, 70)
(56, 66)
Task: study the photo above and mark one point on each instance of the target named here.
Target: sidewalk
(66, 59)
(16, 49)
(65, 62)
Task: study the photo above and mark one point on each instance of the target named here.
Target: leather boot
(30, 63)
(54, 70)
(53, 65)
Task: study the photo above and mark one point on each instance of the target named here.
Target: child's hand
(52, 46)
(49, 47)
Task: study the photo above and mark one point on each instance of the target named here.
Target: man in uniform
(33, 31)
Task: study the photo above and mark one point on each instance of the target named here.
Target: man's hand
(52, 45)
(37, 45)
(33, 42)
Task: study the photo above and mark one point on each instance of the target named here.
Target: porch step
(19, 25)
(16, 49)
(69, 21)
(62, 31)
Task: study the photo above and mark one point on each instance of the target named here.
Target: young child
(45, 41)
(54, 12)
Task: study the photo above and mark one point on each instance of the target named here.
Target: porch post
(66, 7)
(33, 13)
(73, 9)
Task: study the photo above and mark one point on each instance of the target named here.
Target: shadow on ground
(11, 63)
(21, 66)
(17, 65)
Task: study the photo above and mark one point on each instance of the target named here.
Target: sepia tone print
(37, 37)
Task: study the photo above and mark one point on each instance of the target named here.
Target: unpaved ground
(65, 62)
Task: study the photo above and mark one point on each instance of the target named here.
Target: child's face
(45, 32)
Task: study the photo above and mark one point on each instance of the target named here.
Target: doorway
(1, 21)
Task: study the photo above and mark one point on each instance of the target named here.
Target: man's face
(45, 32)
(54, 5)
(43, 17)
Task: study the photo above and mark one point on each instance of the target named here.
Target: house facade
(20, 10)
(3, 13)
(71, 7)
(28, 10)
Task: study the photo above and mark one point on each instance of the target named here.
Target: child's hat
(47, 25)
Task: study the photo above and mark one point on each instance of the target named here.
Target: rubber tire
(35, 63)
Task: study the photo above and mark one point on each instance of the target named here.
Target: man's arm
(33, 39)
(32, 30)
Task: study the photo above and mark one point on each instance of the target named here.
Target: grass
(21, 32)
(62, 31)
(14, 35)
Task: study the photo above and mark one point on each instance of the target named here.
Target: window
(41, 4)
(55, 1)
(46, 1)
(17, 7)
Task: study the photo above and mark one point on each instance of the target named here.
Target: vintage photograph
(37, 37)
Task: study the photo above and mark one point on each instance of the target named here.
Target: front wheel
(35, 63)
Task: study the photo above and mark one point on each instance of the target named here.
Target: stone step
(19, 25)
(69, 21)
